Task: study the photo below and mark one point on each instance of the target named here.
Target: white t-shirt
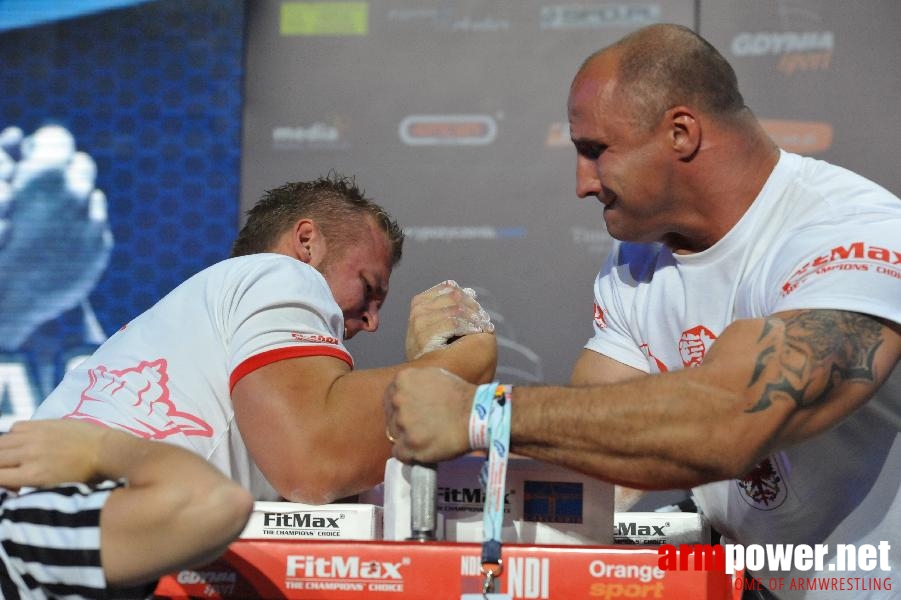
(168, 374)
(817, 236)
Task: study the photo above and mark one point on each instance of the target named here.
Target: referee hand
(45, 453)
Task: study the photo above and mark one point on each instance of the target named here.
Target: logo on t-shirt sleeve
(314, 338)
(855, 256)
(136, 399)
(600, 319)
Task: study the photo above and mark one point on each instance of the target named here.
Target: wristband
(482, 402)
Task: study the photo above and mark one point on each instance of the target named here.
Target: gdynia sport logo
(773, 559)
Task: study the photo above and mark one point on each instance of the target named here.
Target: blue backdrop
(120, 136)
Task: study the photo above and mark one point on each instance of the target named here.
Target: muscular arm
(177, 511)
(316, 429)
(767, 383)
(592, 368)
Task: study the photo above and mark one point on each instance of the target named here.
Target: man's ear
(685, 132)
(305, 241)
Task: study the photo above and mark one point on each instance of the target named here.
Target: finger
(80, 175)
(13, 478)
(388, 401)
(438, 331)
(400, 446)
(436, 291)
(97, 211)
(453, 305)
(11, 441)
(466, 326)
(11, 137)
(441, 288)
(471, 320)
(26, 425)
(463, 300)
(462, 307)
(9, 459)
(399, 452)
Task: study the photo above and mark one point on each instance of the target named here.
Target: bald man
(745, 318)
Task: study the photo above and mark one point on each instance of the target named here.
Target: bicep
(592, 368)
(277, 408)
(808, 368)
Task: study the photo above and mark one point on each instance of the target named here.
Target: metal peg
(423, 502)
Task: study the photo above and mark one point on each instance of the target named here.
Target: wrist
(487, 403)
(103, 451)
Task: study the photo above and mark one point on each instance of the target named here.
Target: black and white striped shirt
(50, 542)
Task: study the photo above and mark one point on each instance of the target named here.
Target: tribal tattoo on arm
(809, 354)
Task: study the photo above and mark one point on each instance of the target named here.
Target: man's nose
(370, 319)
(588, 180)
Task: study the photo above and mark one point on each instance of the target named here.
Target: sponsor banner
(292, 520)
(475, 232)
(447, 130)
(325, 134)
(558, 135)
(802, 137)
(595, 241)
(565, 17)
(543, 504)
(324, 18)
(447, 17)
(795, 51)
(657, 528)
(394, 570)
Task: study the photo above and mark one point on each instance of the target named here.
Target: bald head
(666, 65)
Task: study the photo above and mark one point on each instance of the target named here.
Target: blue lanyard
(489, 427)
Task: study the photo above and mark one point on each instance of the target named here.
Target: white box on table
(545, 504)
(292, 520)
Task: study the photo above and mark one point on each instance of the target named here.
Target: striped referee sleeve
(50, 542)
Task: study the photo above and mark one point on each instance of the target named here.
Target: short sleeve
(52, 537)
(854, 266)
(612, 337)
(283, 309)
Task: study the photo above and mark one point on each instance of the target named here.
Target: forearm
(194, 491)
(358, 448)
(661, 432)
(764, 385)
(350, 428)
(177, 510)
(471, 357)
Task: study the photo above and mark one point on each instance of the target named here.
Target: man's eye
(591, 151)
